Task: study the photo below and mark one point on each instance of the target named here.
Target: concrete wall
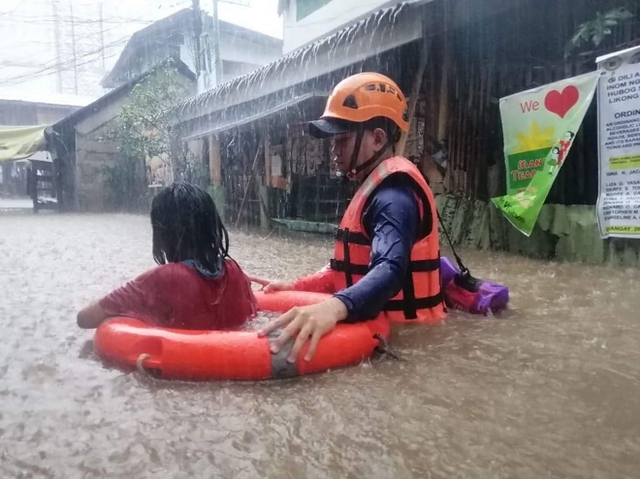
(329, 17)
(187, 55)
(231, 70)
(95, 150)
(563, 233)
(49, 114)
(22, 113)
(244, 50)
(239, 57)
(97, 146)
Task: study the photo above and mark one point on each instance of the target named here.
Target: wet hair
(186, 226)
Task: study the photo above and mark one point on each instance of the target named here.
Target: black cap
(324, 128)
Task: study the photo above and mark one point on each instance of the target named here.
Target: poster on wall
(539, 127)
(618, 204)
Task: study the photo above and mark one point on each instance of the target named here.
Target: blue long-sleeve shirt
(391, 219)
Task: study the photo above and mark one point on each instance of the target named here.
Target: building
(87, 144)
(266, 109)
(454, 60)
(242, 50)
(35, 108)
(30, 109)
(305, 21)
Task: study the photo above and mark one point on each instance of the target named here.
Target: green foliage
(125, 185)
(144, 122)
(594, 31)
(144, 132)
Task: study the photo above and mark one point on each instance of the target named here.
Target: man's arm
(318, 282)
(392, 221)
(393, 229)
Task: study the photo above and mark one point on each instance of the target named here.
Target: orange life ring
(233, 355)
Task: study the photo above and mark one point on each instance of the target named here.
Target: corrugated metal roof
(45, 98)
(179, 22)
(123, 89)
(222, 124)
(374, 34)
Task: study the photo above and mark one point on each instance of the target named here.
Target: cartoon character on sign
(554, 159)
(560, 152)
(565, 145)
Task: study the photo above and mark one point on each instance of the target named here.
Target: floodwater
(549, 389)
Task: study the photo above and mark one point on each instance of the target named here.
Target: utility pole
(104, 64)
(56, 33)
(73, 44)
(217, 59)
(216, 45)
(197, 33)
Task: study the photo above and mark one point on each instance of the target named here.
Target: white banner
(618, 205)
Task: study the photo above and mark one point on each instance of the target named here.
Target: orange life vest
(420, 299)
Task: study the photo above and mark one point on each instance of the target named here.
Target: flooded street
(549, 389)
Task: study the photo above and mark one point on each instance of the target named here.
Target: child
(197, 285)
(554, 161)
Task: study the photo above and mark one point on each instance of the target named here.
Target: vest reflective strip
(370, 183)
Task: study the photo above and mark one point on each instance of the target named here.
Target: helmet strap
(356, 152)
(354, 168)
(370, 162)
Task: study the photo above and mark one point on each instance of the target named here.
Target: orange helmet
(360, 98)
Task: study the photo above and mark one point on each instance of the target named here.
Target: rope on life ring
(384, 350)
(139, 365)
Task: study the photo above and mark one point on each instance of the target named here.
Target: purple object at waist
(482, 298)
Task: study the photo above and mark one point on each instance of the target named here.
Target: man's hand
(311, 321)
(269, 286)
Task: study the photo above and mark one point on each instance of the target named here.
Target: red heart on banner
(561, 103)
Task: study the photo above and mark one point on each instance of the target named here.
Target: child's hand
(269, 286)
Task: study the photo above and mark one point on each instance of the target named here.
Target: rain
(122, 121)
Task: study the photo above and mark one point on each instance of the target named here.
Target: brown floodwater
(551, 388)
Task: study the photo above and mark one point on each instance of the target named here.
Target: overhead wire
(51, 67)
(65, 62)
(2, 14)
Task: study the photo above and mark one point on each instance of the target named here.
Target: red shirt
(178, 296)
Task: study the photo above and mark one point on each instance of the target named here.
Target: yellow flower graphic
(536, 139)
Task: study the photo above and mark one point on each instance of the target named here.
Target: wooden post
(216, 186)
(246, 190)
(77, 176)
(443, 114)
(266, 146)
(215, 169)
(264, 185)
(415, 91)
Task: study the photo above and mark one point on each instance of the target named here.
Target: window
(307, 7)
